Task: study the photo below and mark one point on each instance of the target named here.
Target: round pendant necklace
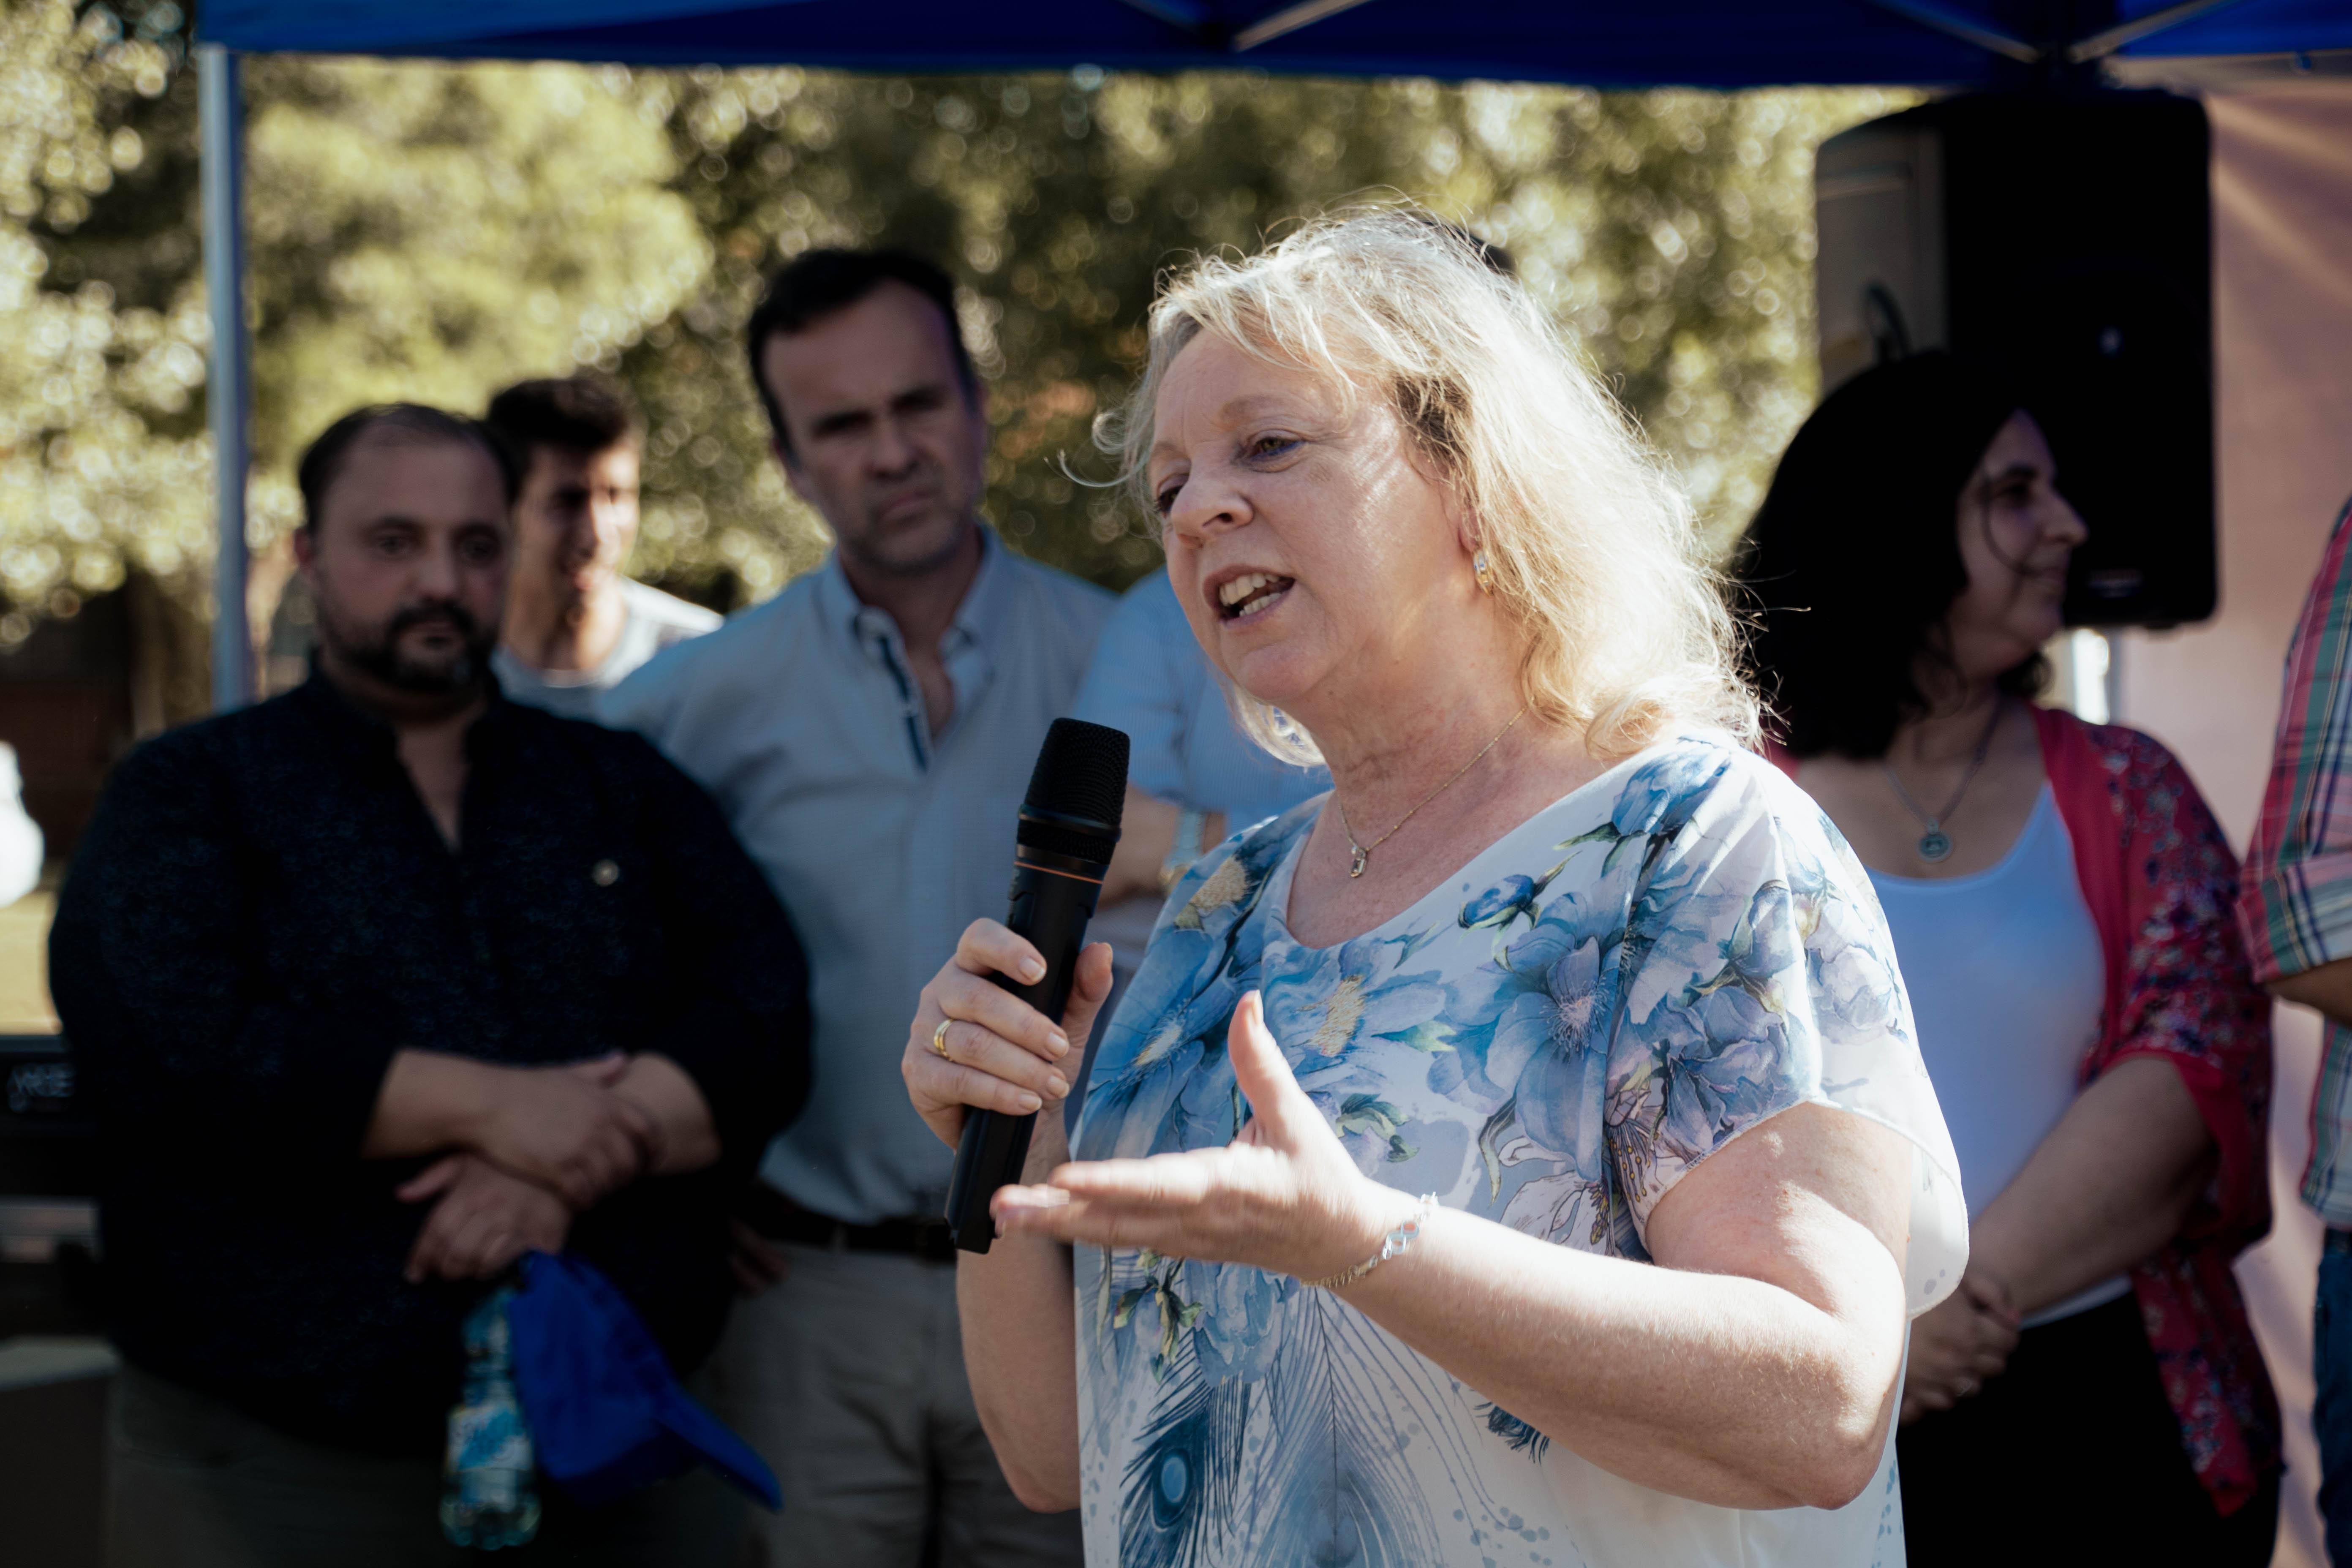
(1360, 855)
(1935, 844)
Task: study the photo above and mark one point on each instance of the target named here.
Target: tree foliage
(103, 464)
(433, 232)
(1671, 230)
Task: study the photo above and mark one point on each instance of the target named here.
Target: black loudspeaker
(2070, 238)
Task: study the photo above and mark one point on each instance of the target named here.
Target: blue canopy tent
(1699, 43)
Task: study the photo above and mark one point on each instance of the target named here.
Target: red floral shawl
(2162, 885)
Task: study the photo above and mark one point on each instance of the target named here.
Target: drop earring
(1483, 570)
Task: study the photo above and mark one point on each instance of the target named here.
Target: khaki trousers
(193, 1482)
(848, 1378)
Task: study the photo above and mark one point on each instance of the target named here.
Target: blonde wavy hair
(1594, 551)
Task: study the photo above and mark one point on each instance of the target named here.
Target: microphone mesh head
(1081, 772)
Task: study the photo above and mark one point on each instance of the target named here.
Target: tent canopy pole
(221, 129)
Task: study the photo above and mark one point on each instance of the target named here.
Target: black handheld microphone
(1069, 825)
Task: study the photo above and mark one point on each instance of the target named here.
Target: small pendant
(1935, 845)
(1356, 865)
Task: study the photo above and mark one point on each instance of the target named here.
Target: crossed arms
(525, 1149)
(170, 977)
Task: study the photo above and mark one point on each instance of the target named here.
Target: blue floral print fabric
(1551, 1040)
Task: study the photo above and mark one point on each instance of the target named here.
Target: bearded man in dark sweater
(378, 985)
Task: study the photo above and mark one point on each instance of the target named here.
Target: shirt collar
(325, 702)
(977, 619)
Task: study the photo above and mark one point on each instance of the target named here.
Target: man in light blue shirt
(870, 732)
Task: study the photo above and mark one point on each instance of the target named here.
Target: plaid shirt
(2296, 898)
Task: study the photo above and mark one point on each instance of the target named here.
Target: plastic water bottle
(489, 1490)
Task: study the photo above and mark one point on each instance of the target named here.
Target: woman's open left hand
(1283, 1196)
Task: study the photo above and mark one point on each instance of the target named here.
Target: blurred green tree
(414, 232)
(103, 463)
(1672, 231)
(429, 235)
(432, 232)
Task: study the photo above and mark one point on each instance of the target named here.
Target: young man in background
(574, 625)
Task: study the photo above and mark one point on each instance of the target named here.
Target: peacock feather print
(1177, 1494)
(1339, 1488)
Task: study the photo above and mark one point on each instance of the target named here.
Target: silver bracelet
(1395, 1242)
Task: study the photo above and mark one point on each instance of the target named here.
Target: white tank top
(2007, 983)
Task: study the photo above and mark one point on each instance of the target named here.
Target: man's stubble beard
(379, 655)
(872, 548)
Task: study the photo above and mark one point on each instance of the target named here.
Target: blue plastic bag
(603, 1409)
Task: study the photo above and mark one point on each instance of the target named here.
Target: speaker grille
(1080, 777)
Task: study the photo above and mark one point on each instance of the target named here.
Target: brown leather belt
(778, 1218)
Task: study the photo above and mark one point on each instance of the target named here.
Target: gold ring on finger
(939, 1040)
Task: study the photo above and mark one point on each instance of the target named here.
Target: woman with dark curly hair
(2059, 897)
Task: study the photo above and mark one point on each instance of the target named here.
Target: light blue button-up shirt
(803, 719)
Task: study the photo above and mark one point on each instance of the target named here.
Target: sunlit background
(433, 232)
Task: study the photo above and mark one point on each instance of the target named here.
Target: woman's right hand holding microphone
(975, 1043)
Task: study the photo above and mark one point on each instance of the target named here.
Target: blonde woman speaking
(1520, 1153)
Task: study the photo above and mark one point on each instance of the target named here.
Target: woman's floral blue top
(1637, 975)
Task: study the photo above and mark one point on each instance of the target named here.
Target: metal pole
(221, 122)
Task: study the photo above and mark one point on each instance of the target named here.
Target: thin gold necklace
(1360, 855)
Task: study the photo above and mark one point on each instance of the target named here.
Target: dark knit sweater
(263, 912)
